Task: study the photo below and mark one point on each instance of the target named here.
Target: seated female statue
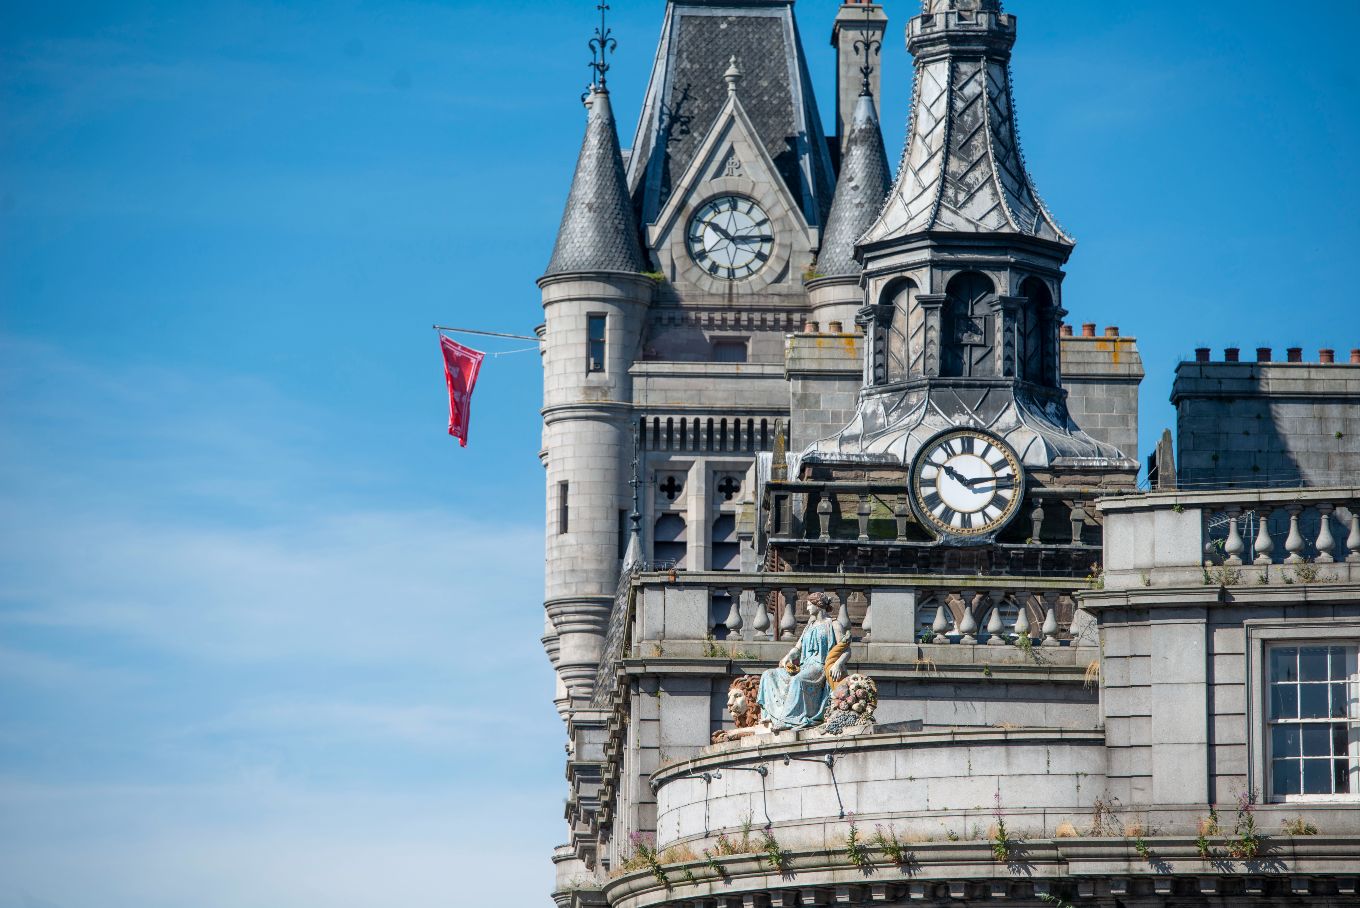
(795, 693)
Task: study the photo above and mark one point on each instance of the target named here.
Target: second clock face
(730, 237)
(967, 483)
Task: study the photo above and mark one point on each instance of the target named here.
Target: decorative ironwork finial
(635, 518)
(870, 47)
(602, 44)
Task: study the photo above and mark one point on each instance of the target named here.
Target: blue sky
(268, 637)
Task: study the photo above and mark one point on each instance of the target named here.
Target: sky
(268, 636)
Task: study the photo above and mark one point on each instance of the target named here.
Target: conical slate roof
(598, 232)
(864, 182)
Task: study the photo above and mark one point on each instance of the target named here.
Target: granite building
(778, 369)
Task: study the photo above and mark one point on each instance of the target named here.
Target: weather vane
(603, 43)
(870, 47)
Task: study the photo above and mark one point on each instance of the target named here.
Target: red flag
(461, 365)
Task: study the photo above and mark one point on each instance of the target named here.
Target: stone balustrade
(1227, 538)
(735, 607)
(869, 525)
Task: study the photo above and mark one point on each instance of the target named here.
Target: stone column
(1006, 313)
(932, 305)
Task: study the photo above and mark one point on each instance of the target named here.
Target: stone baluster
(1036, 522)
(996, 632)
(843, 616)
(862, 512)
(1050, 628)
(866, 626)
(968, 625)
(940, 626)
(1294, 544)
(1326, 543)
(1265, 546)
(733, 619)
(1233, 545)
(761, 623)
(1021, 628)
(900, 513)
(788, 622)
(1353, 540)
(824, 517)
(1078, 519)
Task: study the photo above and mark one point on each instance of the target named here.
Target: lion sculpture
(745, 711)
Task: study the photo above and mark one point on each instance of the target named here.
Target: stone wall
(1266, 424)
(1101, 375)
(825, 373)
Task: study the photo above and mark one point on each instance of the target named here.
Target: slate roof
(687, 91)
(962, 169)
(865, 180)
(598, 230)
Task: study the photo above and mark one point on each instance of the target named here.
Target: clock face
(967, 483)
(730, 237)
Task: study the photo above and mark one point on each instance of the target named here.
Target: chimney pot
(1066, 330)
(1112, 331)
(1230, 354)
(1355, 356)
(1088, 329)
(1326, 355)
(1294, 354)
(1263, 354)
(834, 327)
(1201, 354)
(809, 327)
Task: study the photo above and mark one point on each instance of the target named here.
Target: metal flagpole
(486, 333)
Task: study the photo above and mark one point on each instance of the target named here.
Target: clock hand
(722, 233)
(752, 239)
(956, 474)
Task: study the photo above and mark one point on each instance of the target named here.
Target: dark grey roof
(687, 92)
(865, 180)
(598, 230)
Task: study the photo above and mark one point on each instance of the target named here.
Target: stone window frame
(1260, 635)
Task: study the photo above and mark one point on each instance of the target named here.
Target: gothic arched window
(1036, 331)
(966, 331)
(897, 355)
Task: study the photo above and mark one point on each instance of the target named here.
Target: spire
(598, 232)
(864, 182)
(962, 169)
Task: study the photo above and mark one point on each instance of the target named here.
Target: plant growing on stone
(890, 844)
(1246, 840)
(774, 855)
(644, 855)
(711, 648)
(1298, 826)
(1208, 826)
(711, 860)
(1001, 840)
(854, 848)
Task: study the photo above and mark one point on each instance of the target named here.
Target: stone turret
(962, 273)
(594, 303)
(857, 31)
(835, 293)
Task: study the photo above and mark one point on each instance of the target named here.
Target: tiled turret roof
(598, 231)
(864, 182)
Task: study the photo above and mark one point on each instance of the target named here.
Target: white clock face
(730, 237)
(967, 483)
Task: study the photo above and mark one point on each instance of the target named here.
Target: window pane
(1338, 658)
(1317, 740)
(1317, 776)
(1286, 777)
(1339, 698)
(1339, 740)
(1284, 701)
(1284, 741)
(1283, 661)
(1313, 701)
(1343, 776)
(1313, 663)
(596, 327)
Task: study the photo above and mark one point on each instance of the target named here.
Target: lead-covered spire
(598, 230)
(962, 169)
(864, 181)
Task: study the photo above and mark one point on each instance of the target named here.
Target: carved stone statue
(745, 711)
(795, 693)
